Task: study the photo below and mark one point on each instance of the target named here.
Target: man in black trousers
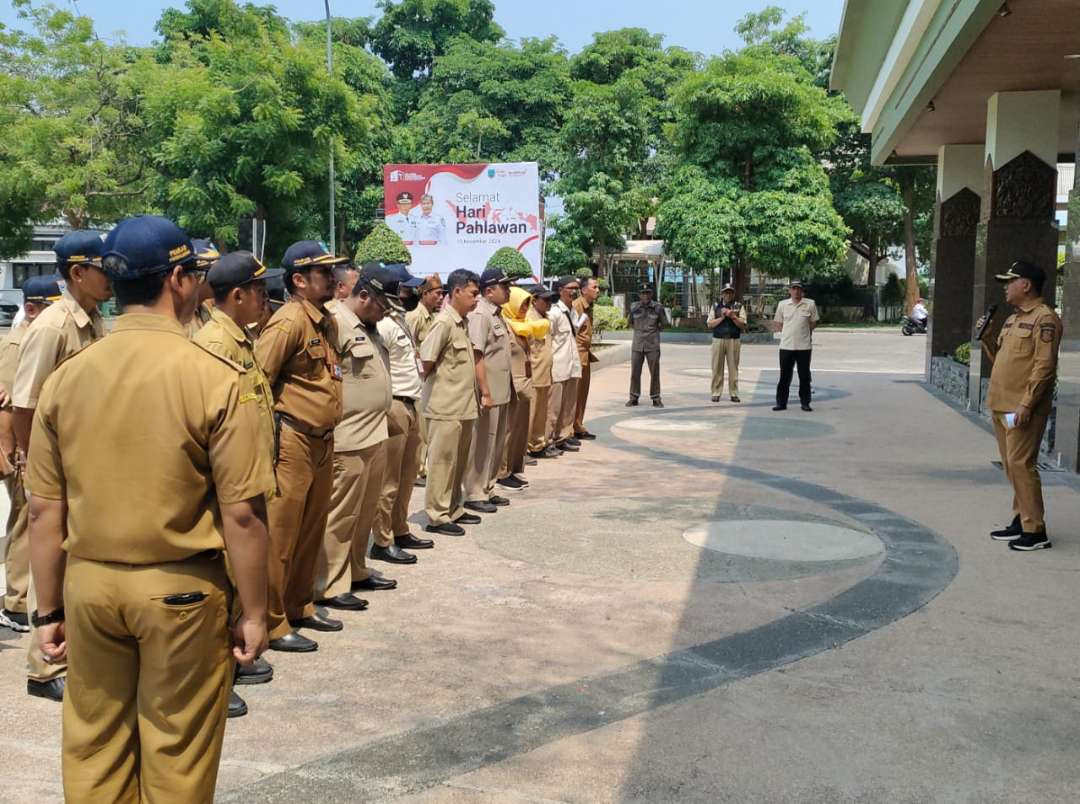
(795, 320)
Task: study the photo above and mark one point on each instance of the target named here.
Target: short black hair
(142, 291)
(339, 271)
(461, 278)
(65, 270)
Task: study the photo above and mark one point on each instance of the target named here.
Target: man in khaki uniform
(64, 329)
(141, 471)
(206, 254)
(449, 404)
(295, 351)
(359, 442)
(390, 534)
(491, 349)
(727, 325)
(1020, 397)
(565, 367)
(583, 308)
(647, 318)
(540, 445)
(515, 312)
(38, 293)
(419, 320)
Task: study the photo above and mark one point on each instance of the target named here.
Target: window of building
(21, 271)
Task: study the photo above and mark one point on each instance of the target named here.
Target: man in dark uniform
(1021, 390)
(647, 318)
(141, 471)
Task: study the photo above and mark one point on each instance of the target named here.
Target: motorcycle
(910, 326)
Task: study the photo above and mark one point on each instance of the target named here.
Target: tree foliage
(512, 263)
(382, 245)
(411, 34)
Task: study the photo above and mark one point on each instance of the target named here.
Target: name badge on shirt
(337, 371)
(315, 342)
(359, 339)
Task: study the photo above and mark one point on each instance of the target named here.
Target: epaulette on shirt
(230, 363)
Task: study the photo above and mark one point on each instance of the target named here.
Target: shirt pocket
(360, 355)
(1021, 341)
(314, 360)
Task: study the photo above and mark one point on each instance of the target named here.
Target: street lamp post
(330, 71)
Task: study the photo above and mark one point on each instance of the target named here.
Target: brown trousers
(561, 407)
(422, 447)
(513, 459)
(538, 418)
(725, 351)
(354, 499)
(485, 455)
(1019, 448)
(448, 455)
(402, 459)
(305, 473)
(148, 685)
(582, 393)
(17, 549)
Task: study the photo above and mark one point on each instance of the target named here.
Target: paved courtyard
(709, 603)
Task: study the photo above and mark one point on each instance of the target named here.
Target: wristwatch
(54, 616)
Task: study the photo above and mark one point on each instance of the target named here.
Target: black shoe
(51, 690)
(585, 435)
(1031, 541)
(511, 482)
(374, 584)
(497, 501)
(808, 409)
(779, 407)
(294, 643)
(15, 620)
(420, 482)
(566, 446)
(551, 451)
(318, 622)
(392, 554)
(631, 403)
(345, 602)
(468, 519)
(734, 399)
(1009, 533)
(656, 403)
(237, 707)
(259, 673)
(410, 542)
(530, 461)
(483, 506)
(716, 399)
(446, 529)
(573, 442)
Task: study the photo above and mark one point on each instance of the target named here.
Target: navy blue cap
(238, 268)
(80, 246)
(1022, 269)
(493, 276)
(646, 288)
(145, 245)
(205, 251)
(403, 277)
(41, 289)
(309, 254)
(379, 278)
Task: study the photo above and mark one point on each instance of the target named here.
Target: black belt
(303, 429)
(408, 400)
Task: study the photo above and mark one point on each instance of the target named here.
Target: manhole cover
(784, 540)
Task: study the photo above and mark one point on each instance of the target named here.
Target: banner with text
(457, 216)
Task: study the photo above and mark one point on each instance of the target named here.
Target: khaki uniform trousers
(513, 460)
(36, 666)
(448, 455)
(538, 419)
(725, 350)
(561, 407)
(1019, 449)
(17, 548)
(297, 515)
(582, 393)
(354, 499)
(485, 456)
(148, 687)
(422, 447)
(402, 457)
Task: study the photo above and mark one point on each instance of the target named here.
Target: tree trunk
(912, 292)
(742, 277)
(871, 261)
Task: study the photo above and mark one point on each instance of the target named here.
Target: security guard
(1021, 390)
(62, 330)
(584, 307)
(727, 325)
(359, 441)
(419, 320)
(141, 472)
(206, 254)
(295, 351)
(540, 445)
(238, 286)
(647, 318)
(38, 293)
(491, 349)
(449, 404)
(390, 534)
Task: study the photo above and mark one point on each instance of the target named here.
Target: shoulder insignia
(230, 363)
(1047, 332)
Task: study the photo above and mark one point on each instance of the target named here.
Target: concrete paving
(578, 647)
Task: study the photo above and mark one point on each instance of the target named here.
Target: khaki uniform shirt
(419, 321)
(1025, 365)
(565, 360)
(796, 318)
(223, 336)
(9, 355)
(60, 331)
(405, 370)
(203, 314)
(520, 366)
(296, 352)
(450, 389)
(365, 383)
(646, 320)
(585, 330)
(540, 354)
(491, 337)
(144, 436)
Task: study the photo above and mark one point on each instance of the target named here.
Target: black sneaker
(734, 399)
(573, 441)
(15, 620)
(716, 399)
(550, 451)
(566, 446)
(1031, 541)
(808, 409)
(779, 407)
(510, 482)
(498, 501)
(631, 403)
(446, 529)
(656, 403)
(585, 435)
(468, 519)
(1008, 533)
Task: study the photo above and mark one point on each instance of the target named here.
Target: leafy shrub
(605, 318)
(382, 245)
(963, 354)
(604, 301)
(511, 262)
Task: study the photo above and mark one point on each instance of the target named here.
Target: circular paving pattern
(784, 540)
(729, 424)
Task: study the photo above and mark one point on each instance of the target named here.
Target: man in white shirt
(565, 366)
(919, 313)
(795, 320)
(430, 226)
(402, 222)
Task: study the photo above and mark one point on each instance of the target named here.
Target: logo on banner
(401, 175)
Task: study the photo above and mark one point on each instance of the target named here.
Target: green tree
(411, 34)
(382, 245)
(565, 246)
(513, 264)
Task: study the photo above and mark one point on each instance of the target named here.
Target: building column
(1067, 435)
(952, 267)
(1017, 215)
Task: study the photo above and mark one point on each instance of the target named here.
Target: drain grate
(1042, 466)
